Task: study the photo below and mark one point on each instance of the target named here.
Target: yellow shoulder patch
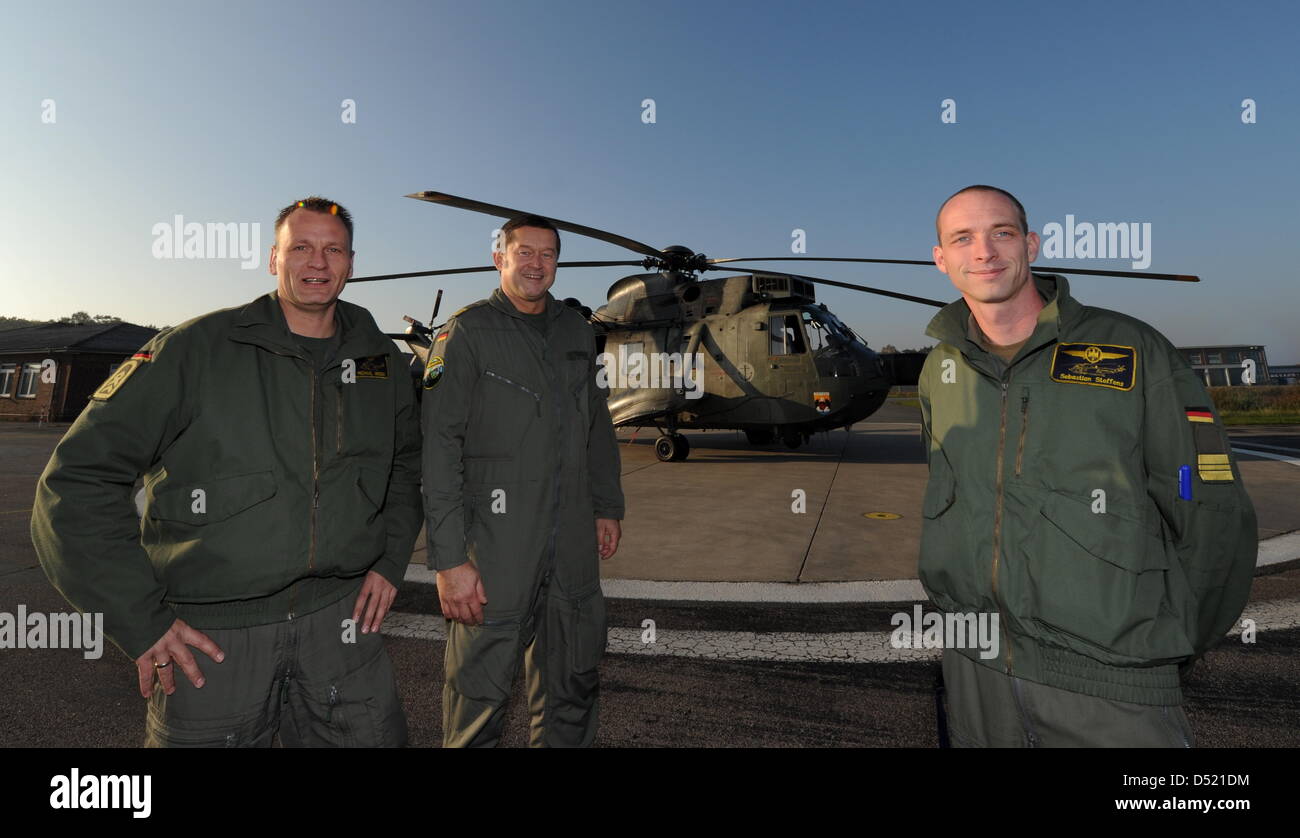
(115, 381)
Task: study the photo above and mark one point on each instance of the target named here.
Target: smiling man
(1081, 488)
(279, 445)
(522, 498)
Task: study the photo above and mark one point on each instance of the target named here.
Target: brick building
(49, 372)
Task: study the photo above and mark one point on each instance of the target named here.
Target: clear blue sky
(770, 117)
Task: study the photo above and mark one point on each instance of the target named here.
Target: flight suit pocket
(1098, 584)
(481, 661)
(949, 565)
(577, 643)
(505, 406)
(203, 502)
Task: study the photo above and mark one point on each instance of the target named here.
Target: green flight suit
(520, 458)
(271, 488)
(1054, 501)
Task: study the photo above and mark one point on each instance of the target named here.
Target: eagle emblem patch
(1095, 364)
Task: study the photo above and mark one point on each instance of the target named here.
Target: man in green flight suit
(279, 443)
(521, 495)
(1081, 489)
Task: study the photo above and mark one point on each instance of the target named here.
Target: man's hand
(460, 591)
(380, 592)
(608, 533)
(172, 650)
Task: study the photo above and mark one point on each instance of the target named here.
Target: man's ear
(938, 259)
(1032, 239)
(270, 262)
(497, 258)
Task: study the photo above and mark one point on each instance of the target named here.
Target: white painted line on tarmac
(1248, 444)
(1292, 460)
(1278, 549)
(794, 647)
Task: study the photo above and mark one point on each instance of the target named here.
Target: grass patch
(1260, 418)
(1272, 405)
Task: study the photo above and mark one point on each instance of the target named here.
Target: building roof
(105, 338)
(1223, 346)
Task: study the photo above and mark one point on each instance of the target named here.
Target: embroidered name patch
(375, 366)
(1095, 364)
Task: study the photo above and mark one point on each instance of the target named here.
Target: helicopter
(754, 352)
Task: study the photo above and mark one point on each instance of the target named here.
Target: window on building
(7, 372)
(1231, 357)
(27, 386)
(1214, 357)
(1194, 357)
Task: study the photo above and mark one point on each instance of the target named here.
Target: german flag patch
(1212, 463)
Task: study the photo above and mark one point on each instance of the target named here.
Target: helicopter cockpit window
(818, 330)
(822, 323)
(786, 335)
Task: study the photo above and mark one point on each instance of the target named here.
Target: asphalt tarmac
(753, 672)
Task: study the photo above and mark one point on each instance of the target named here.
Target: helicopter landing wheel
(672, 448)
(792, 439)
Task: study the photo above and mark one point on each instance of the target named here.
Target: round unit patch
(433, 372)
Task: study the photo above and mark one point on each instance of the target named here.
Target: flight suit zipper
(315, 473)
(997, 517)
(537, 398)
(1024, 429)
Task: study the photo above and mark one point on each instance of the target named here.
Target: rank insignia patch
(115, 381)
(822, 402)
(1214, 468)
(1212, 464)
(375, 366)
(432, 372)
(1095, 364)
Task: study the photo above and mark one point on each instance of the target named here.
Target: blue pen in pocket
(1185, 482)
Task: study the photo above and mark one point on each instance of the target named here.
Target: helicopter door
(788, 365)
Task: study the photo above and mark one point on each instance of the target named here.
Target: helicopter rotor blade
(483, 268)
(506, 212)
(443, 272)
(896, 295)
(1033, 268)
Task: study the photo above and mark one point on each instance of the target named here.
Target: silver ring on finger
(157, 665)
